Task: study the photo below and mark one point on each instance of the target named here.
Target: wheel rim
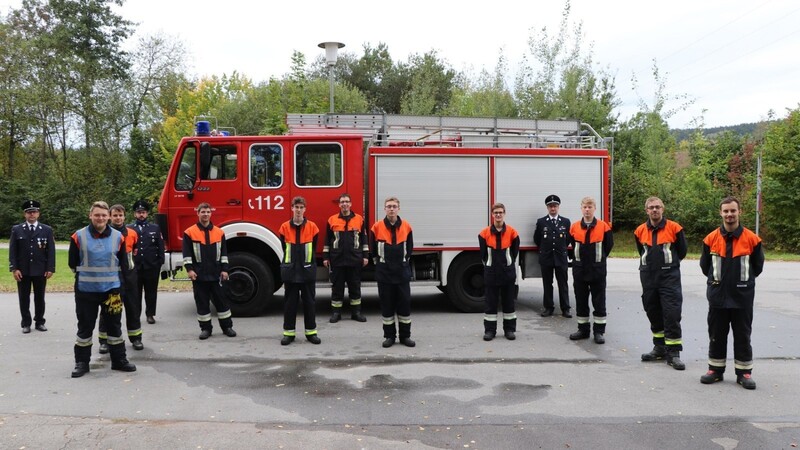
(472, 282)
(242, 285)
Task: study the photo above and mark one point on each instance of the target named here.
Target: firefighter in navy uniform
(149, 258)
(732, 258)
(391, 243)
(133, 319)
(32, 261)
(205, 258)
(551, 236)
(299, 272)
(662, 245)
(96, 255)
(346, 251)
(591, 241)
(499, 246)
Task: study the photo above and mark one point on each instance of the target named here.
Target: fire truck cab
(446, 172)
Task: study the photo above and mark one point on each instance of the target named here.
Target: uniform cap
(552, 199)
(141, 205)
(31, 205)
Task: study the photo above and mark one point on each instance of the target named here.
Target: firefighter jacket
(130, 239)
(299, 244)
(499, 252)
(731, 261)
(32, 249)
(346, 240)
(205, 251)
(551, 236)
(97, 258)
(591, 245)
(661, 247)
(150, 246)
(391, 247)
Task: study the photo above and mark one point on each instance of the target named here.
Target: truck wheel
(465, 283)
(250, 284)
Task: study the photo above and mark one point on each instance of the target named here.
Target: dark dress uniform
(731, 261)
(32, 251)
(148, 258)
(551, 236)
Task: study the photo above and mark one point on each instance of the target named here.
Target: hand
(364, 263)
(224, 276)
(192, 274)
(17, 275)
(325, 262)
(47, 275)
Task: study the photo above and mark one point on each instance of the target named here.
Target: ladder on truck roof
(403, 130)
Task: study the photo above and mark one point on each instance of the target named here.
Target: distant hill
(741, 129)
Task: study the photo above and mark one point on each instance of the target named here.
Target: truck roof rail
(406, 130)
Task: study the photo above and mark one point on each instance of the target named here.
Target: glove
(114, 303)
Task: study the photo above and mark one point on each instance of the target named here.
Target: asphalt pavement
(451, 390)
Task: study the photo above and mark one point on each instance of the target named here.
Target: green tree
(488, 96)
(781, 182)
(562, 81)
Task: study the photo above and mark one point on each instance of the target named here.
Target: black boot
(336, 315)
(674, 359)
(356, 314)
(137, 343)
(119, 360)
(657, 353)
(582, 333)
(103, 346)
(82, 357)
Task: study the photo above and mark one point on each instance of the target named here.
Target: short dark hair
(499, 205)
(730, 199)
(203, 205)
(345, 195)
(298, 201)
(118, 207)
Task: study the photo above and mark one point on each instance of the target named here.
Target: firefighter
(591, 241)
(662, 245)
(499, 244)
(133, 320)
(551, 236)
(32, 261)
(346, 251)
(732, 258)
(299, 272)
(205, 257)
(96, 255)
(391, 243)
(149, 258)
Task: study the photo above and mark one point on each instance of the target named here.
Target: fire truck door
(211, 176)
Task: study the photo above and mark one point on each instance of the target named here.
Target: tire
(250, 284)
(465, 284)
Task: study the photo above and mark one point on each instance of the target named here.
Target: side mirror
(205, 159)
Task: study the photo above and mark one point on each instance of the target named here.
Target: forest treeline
(82, 119)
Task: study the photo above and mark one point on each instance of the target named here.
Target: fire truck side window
(223, 164)
(187, 172)
(266, 165)
(318, 164)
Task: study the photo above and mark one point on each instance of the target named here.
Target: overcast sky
(737, 59)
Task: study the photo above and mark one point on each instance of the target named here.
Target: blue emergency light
(203, 128)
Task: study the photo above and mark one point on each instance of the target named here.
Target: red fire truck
(446, 171)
